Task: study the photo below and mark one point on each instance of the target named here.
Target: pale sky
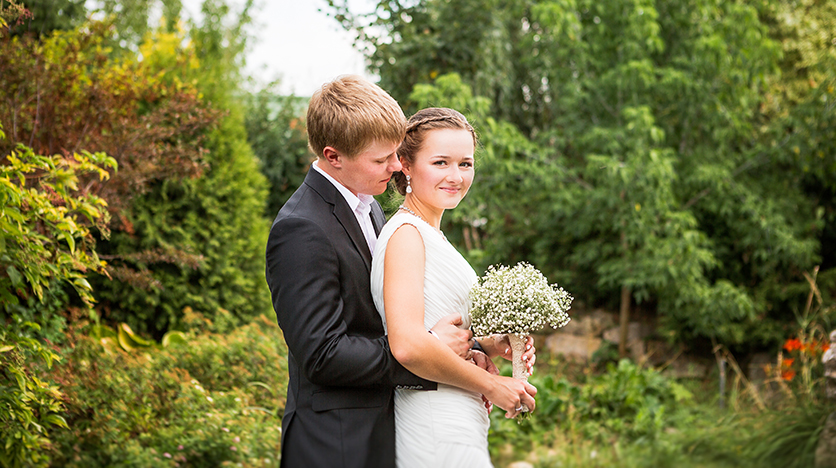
(299, 44)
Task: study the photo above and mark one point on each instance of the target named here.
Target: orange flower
(792, 345)
(787, 373)
(819, 347)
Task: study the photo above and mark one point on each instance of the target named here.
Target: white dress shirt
(361, 206)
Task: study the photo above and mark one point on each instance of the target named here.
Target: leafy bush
(45, 241)
(213, 400)
(626, 403)
(631, 401)
(633, 417)
(30, 406)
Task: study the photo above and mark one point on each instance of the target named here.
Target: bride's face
(442, 170)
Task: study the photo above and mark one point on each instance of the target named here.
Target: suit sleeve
(304, 278)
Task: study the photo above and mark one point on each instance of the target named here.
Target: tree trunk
(623, 321)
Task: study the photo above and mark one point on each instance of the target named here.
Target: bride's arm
(420, 352)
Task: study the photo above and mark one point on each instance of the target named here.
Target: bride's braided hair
(432, 118)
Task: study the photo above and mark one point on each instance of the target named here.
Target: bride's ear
(404, 166)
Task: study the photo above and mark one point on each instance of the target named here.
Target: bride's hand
(498, 345)
(510, 394)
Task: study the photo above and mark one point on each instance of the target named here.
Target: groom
(340, 408)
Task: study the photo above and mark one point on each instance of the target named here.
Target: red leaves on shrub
(69, 94)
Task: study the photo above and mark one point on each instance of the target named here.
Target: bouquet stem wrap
(517, 364)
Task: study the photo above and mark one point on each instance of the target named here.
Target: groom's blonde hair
(350, 114)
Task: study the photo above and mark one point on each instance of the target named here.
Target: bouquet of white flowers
(517, 301)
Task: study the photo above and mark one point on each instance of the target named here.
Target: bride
(417, 278)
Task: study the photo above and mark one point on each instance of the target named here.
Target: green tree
(663, 105)
(802, 100)
(50, 15)
(276, 132)
(131, 17)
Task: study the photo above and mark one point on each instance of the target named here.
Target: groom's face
(370, 171)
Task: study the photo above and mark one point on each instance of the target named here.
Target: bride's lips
(451, 190)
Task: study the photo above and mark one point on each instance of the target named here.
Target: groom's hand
(483, 361)
(447, 330)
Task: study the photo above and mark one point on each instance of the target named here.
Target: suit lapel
(378, 218)
(349, 222)
(342, 212)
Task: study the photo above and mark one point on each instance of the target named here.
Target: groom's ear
(332, 157)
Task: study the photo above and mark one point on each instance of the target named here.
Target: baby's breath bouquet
(517, 301)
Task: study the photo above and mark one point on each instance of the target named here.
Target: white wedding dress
(447, 427)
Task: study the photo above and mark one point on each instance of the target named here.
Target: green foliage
(12, 12)
(627, 402)
(787, 438)
(131, 17)
(74, 94)
(632, 401)
(216, 399)
(44, 222)
(50, 15)
(50, 312)
(45, 241)
(666, 148)
(187, 230)
(632, 417)
(216, 217)
(30, 405)
(276, 132)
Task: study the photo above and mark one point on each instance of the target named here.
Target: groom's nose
(395, 164)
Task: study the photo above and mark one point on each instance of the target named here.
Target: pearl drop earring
(408, 184)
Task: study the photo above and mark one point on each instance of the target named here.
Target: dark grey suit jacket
(340, 409)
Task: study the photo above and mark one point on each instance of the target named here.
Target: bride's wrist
(489, 344)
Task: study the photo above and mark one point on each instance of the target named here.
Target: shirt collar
(354, 201)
